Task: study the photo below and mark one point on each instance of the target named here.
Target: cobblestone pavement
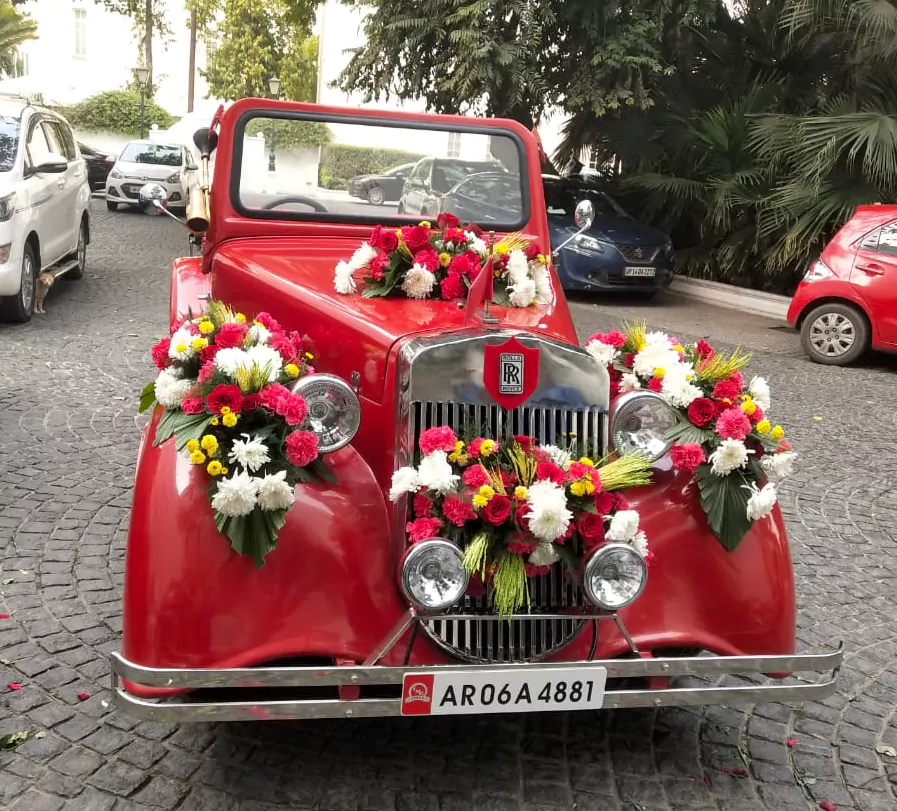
(68, 436)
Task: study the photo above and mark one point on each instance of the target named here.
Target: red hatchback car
(847, 301)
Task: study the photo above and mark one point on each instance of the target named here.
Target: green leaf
(183, 427)
(724, 499)
(13, 739)
(147, 397)
(684, 432)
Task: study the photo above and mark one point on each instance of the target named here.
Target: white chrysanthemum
(170, 389)
(548, 516)
(640, 544)
(604, 353)
(250, 452)
(779, 464)
(435, 473)
(236, 496)
(259, 333)
(274, 492)
(227, 360)
(419, 282)
(629, 382)
(730, 455)
(522, 293)
(181, 347)
(544, 555)
(558, 455)
(265, 357)
(677, 386)
(518, 267)
(657, 339)
(475, 243)
(363, 256)
(542, 278)
(623, 526)
(761, 502)
(404, 480)
(759, 391)
(342, 278)
(655, 356)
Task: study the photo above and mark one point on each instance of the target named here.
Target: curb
(731, 297)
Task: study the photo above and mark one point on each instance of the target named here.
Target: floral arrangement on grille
(515, 507)
(223, 385)
(421, 262)
(723, 435)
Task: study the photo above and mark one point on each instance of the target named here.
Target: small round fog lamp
(334, 413)
(614, 576)
(433, 574)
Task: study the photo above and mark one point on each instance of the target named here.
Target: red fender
(188, 283)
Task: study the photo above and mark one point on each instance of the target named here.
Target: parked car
(171, 165)
(346, 618)
(380, 188)
(44, 199)
(431, 178)
(99, 164)
(847, 300)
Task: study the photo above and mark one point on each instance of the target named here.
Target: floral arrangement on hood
(724, 435)
(420, 262)
(223, 384)
(516, 509)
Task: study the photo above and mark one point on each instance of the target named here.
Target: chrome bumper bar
(825, 664)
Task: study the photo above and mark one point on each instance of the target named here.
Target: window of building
(211, 45)
(80, 32)
(22, 65)
(454, 145)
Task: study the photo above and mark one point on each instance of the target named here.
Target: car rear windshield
(303, 167)
(154, 154)
(9, 141)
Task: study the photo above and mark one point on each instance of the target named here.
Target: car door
(47, 195)
(874, 277)
(60, 138)
(415, 187)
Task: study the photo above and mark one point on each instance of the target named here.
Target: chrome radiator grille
(471, 631)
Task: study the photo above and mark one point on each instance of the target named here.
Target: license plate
(472, 692)
(639, 271)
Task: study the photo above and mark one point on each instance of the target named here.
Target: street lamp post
(274, 87)
(142, 74)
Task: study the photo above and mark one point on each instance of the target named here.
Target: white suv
(44, 199)
(141, 162)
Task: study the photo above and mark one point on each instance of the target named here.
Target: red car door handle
(872, 269)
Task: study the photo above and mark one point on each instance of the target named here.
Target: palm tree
(15, 28)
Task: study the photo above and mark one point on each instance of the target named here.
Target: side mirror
(400, 175)
(583, 216)
(52, 164)
(153, 199)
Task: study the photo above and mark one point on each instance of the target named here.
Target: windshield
(153, 154)
(9, 141)
(561, 197)
(323, 169)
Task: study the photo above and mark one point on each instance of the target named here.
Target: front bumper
(127, 191)
(607, 271)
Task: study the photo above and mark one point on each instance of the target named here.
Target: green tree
(15, 28)
(149, 19)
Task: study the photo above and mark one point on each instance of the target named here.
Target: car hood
(145, 171)
(617, 230)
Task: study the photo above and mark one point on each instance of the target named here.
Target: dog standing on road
(44, 283)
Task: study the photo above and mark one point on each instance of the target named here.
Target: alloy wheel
(27, 291)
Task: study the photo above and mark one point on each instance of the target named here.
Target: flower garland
(516, 508)
(724, 436)
(420, 262)
(222, 383)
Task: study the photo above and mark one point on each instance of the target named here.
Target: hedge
(291, 134)
(342, 162)
(117, 111)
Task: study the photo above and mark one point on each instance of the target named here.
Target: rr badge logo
(510, 372)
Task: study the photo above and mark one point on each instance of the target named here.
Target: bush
(342, 162)
(117, 111)
(291, 134)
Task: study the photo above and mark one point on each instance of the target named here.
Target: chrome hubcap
(82, 249)
(27, 292)
(832, 334)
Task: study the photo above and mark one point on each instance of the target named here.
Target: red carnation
(456, 236)
(229, 396)
(231, 335)
(519, 545)
(416, 237)
(193, 405)
(703, 350)
(457, 511)
(302, 448)
(498, 510)
(272, 394)
(757, 416)
(655, 384)
(616, 380)
(474, 476)
(475, 229)
(452, 287)
(535, 571)
(269, 322)
(422, 529)
(629, 360)
(446, 220)
(378, 266)
(590, 527)
(604, 503)
(531, 251)
(437, 439)
(206, 372)
(207, 353)
(687, 457)
(251, 402)
(475, 587)
(701, 412)
(620, 501)
(385, 239)
(526, 443)
(729, 388)
(551, 472)
(464, 264)
(294, 409)
(428, 258)
(578, 470)
(733, 424)
(159, 353)
(422, 505)
(284, 347)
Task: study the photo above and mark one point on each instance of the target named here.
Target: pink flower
(302, 448)
(703, 350)
(578, 470)
(614, 338)
(828, 805)
(193, 405)
(729, 388)
(422, 505)
(655, 384)
(4, 616)
(283, 346)
(733, 424)
(207, 353)
(14, 685)
(427, 258)
(791, 742)
(295, 410)
(268, 322)
(82, 696)
(437, 439)
(421, 529)
(457, 511)
(687, 457)
(378, 266)
(272, 394)
(159, 353)
(206, 373)
(230, 335)
(551, 472)
(474, 476)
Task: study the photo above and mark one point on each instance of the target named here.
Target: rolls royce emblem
(510, 372)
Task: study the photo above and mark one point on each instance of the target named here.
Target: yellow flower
(214, 468)
(520, 493)
(225, 410)
(502, 248)
(197, 457)
(584, 460)
(749, 406)
(240, 318)
(206, 327)
(209, 443)
(542, 259)
(425, 223)
(578, 488)
(458, 455)
(224, 471)
(291, 369)
(480, 501)
(659, 371)
(214, 421)
(180, 348)
(309, 356)
(229, 420)
(763, 427)
(199, 344)
(445, 259)
(487, 448)
(777, 433)
(192, 446)
(486, 492)
(679, 347)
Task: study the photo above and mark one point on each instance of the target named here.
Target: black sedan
(99, 164)
(378, 188)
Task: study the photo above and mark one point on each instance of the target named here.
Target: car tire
(111, 206)
(376, 197)
(80, 254)
(834, 334)
(18, 308)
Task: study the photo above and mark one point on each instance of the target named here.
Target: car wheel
(834, 334)
(111, 206)
(376, 196)
(77, 272)
(18, 308)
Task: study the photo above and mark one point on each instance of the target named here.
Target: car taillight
(818, 271)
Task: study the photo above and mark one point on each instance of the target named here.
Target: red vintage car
(344, 619)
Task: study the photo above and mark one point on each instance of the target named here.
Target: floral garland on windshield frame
(723, 434)
(420, 262)
(223, 384)
(516, 508)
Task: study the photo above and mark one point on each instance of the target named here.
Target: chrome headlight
(175, 178)
(587, 243)
(639, 423)
(334, 413)
(116, 175)
(433, 574)
(614, 576)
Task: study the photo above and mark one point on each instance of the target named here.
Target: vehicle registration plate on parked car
(469, 692)
(639, 271)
